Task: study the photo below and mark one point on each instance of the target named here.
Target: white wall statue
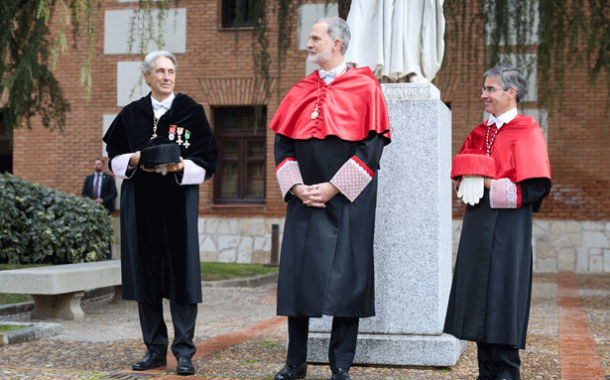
(400, 40)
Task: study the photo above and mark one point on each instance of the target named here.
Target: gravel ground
(109, 339)
(265, 355)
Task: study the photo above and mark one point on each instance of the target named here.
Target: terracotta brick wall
(578, 135)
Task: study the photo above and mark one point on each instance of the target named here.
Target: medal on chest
(314, 114)
(180, 130)
(172, 132)
(187, 135)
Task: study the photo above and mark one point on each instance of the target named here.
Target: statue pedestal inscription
(412, 240)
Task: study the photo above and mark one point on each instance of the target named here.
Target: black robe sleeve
(534, 190)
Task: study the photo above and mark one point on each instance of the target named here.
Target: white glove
(161, 169)
(471, 189)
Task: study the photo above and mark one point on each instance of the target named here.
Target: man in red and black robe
(502, 173)
(331, 129)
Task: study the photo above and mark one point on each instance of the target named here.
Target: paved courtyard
(238, 336)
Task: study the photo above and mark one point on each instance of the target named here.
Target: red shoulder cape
(354, 101)
(519, 150)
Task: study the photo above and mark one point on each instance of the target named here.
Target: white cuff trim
(352, 178)
(193, 174)
(120, 164)
(288, 174)
(503, 193)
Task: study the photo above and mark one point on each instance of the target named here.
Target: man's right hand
(135, 160)
(306, 195)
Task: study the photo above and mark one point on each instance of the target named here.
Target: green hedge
(42, 225)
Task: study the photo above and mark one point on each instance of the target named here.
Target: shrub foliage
(42, 225)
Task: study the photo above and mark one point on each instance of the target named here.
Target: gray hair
(337, 30)
(149, 61)
(510, 77)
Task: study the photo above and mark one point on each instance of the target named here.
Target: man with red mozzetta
(330, 132)
(502, 173)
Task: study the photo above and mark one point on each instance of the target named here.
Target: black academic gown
(159, 244)
(492, 281)
(326, 265)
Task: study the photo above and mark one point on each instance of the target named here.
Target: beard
(321, 57)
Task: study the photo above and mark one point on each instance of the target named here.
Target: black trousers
(154, 329)
(498, 362)
(342, 347)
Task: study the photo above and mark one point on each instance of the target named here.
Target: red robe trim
(355, 102)
(519, 150)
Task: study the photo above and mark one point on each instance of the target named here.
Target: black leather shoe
(341, 374)
(185, 366)
(292, 372)
(149, 361)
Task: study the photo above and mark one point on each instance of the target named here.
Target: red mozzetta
(353, 114)
(518, 151)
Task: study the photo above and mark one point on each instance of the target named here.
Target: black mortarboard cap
(159, 151)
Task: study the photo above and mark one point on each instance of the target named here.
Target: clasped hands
(315, 195)
(471, 188)
(173, 167)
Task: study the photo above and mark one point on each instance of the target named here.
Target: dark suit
(108, 191)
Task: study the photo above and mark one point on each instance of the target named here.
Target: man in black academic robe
(502, 172)
(101, 188)
(160, 207)
(330, 132)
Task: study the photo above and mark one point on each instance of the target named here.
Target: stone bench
(57, 290)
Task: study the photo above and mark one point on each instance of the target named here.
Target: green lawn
(225, 271)
(5, 328)
(209, 272)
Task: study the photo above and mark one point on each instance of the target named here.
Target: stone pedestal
(412, 240)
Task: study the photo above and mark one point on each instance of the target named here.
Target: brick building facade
(216, 69)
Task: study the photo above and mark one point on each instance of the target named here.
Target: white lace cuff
(288, 174)
(352, 178)
(504, 194)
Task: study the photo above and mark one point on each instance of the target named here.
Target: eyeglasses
(489, 90)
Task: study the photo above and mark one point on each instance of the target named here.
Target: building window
(241, 155)
(239, 13)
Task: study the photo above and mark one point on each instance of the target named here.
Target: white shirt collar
(166, 104)
(505, 118)
(329, 76)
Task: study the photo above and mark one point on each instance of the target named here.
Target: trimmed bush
(42, 225)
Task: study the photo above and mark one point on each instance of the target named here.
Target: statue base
(412, 240)
(412, 350)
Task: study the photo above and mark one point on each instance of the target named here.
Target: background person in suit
(101, 188)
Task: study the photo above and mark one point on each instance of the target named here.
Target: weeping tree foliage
(567, 36)
(30, 47)
(27, 85)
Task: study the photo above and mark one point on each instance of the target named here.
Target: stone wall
(237, 240)
(564, 245)
(558, 245)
